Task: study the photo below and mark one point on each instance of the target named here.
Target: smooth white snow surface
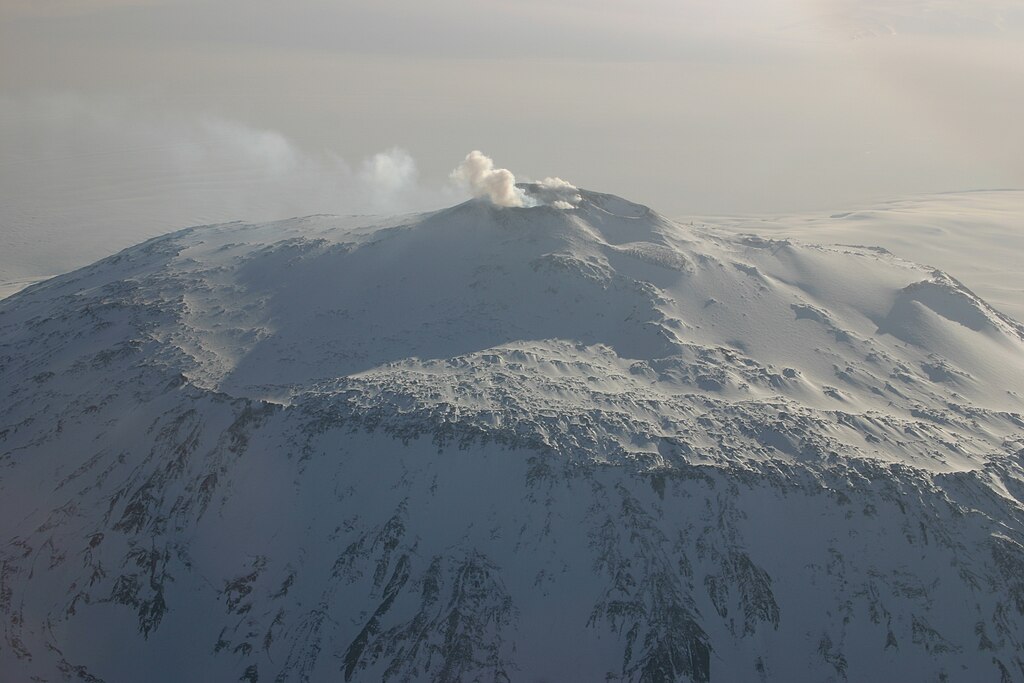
(505, 444)
(978, 236)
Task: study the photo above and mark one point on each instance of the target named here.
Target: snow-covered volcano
(508, 444)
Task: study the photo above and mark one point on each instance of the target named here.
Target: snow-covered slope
(515, 444)
(977, 235)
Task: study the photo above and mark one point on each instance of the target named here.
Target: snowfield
(511, 444)
(977, 235)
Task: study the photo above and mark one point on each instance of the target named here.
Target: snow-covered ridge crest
(508, 443)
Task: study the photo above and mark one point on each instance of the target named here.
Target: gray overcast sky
(696, 107)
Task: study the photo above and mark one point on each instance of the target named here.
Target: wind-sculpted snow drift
(508, 444)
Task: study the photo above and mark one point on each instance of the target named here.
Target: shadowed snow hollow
(572, 441)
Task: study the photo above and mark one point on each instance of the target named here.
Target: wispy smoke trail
(83, 177)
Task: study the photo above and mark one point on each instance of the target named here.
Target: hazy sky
(168, 112)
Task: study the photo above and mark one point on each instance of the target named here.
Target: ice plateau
(583, 443)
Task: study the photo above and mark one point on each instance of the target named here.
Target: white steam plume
(561, 194)
(477, 173)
